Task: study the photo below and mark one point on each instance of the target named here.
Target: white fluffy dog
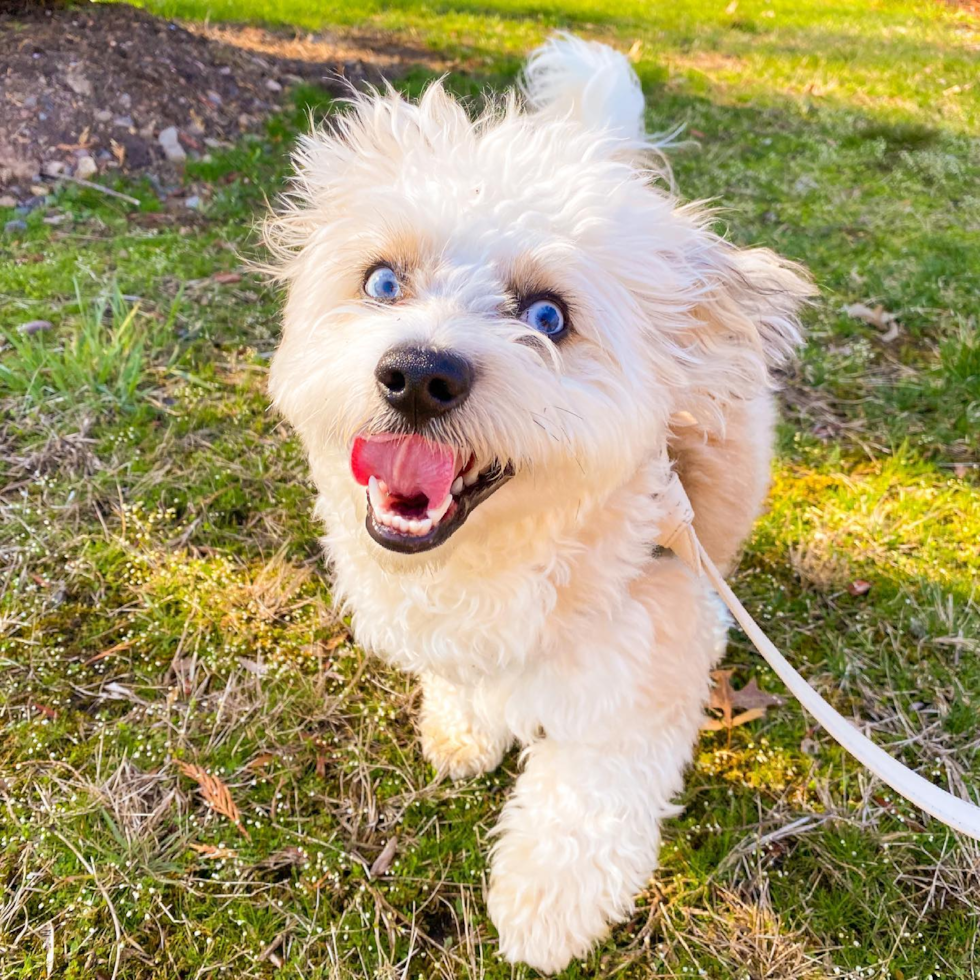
(500, 336)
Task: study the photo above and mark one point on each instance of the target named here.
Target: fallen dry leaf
(226, 278)
(752, 696)
(890, 334)
(724, 698)
(212, 852)
(859, 586)
(261, 761)
(878, 317)
(216, 794)
(743, 718)
(383, 861)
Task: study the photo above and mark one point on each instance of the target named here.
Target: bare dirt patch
(106, 87)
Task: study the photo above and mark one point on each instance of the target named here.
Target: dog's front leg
(458, 738)
(580, 836)
(579, 839)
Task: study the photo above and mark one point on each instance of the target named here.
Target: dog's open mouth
(419, 492)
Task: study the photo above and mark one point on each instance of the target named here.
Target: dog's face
(495, 318)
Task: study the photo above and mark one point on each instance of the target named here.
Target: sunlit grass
(895, 58)
(100, 358)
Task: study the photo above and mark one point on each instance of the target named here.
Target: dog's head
(509, 309)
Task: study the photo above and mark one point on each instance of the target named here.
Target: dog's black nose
(423, 384)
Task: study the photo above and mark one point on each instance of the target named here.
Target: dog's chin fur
(544, 619)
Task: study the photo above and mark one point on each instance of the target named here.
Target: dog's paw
(458, 751)
(453, 738)
(545, 918)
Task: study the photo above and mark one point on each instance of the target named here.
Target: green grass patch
(164, 601)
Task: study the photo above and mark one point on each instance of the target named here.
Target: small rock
(171, 145)
(35, 326)
(86, 167)
(272, 85)
(8, 201)
(103, 115)
(224, 70)
(125, 100)
(12, 227)
(124, 122)
(77, 82)
(193, 202)
(31, 204)
(214, 98)
(39, 190)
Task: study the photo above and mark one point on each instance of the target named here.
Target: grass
(163, 598)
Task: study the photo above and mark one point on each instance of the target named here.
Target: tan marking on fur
(726, 476)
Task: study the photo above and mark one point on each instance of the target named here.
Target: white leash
(677, 534)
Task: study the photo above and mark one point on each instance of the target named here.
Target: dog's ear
(744, 324)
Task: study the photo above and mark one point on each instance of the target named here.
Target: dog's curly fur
(545, 620)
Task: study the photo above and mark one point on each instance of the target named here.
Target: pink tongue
(409, 465)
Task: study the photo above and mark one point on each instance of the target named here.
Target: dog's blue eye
(545, 316)
(383, 285)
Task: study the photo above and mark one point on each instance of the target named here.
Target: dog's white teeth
(416, 527)
(436, 514)
(472, 473)
(457, 488)
(377, 495)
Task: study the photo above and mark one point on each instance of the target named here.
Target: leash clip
(677, 525)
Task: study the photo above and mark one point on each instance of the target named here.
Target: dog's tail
(586, 81)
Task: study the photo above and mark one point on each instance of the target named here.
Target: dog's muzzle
(420, 492)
